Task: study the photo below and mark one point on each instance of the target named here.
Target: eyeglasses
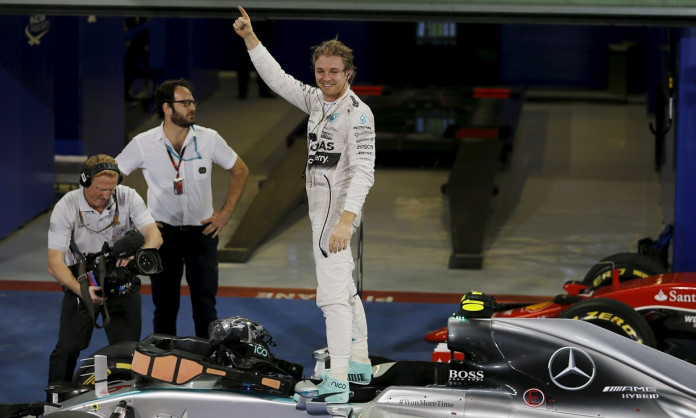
(186, 103)
(114, 221)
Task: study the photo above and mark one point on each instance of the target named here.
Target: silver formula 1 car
(517, 367)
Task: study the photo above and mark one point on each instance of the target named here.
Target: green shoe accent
(332, 390)
(359, 373)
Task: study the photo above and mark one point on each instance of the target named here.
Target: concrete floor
(580, 186)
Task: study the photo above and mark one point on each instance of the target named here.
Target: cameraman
(99, 212)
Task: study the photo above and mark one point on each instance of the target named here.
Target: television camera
(101, 270)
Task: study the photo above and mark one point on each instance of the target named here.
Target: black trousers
(185, 247)
(77, 326)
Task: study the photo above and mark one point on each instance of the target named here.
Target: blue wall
(685, 180)
(26, 163)
(567, 55)
(69, 91)
(65, 94)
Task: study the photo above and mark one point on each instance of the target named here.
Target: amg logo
(638, 389)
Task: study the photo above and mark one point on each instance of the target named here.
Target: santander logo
(676, 296)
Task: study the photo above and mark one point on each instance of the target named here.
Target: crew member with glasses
(177, 160)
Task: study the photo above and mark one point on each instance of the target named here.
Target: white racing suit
(339, 174)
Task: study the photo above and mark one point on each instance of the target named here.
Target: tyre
(629, 265)
(614, 316)
(118, 361)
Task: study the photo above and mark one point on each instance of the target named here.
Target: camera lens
(147, 261)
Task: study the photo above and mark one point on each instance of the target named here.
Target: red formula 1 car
(627, 293)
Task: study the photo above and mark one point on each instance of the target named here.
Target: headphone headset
(87, 174)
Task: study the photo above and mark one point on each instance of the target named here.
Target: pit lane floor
(580, 185)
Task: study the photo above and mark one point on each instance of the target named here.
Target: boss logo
(466, 374)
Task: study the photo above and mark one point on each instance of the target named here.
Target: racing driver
(339, 173)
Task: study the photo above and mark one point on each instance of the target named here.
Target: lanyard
(181, 158)
(326, 112)
(113, 221)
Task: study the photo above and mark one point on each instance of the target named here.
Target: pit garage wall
(62, 87)
(684, 252)
(65, 95)
(26, 160)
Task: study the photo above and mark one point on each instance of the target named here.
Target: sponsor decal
(387, 299)
(333, 117)
(357, 377)
(322, 146)
(676, 296)
(37, 28)
(690, 319)
(355, 102)
(633, 392)
(536, 307)
(259, 350)
(338, 385)
(291, 295)
(327, 135)
(468, 375)
(363, 119)
(460, 374)
(426, 402)
(534, 397)
(571, 368)
(626, 328)
(324, 159)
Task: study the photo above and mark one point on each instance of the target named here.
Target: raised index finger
(243, 12)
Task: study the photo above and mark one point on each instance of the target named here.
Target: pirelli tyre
(614, 316)
(629, 265)
(118, 362)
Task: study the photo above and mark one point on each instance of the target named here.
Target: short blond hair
(334, 47)
(102, 159)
